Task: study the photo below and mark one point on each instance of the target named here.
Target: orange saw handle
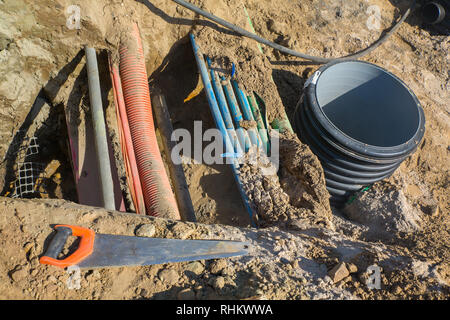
(57, 243)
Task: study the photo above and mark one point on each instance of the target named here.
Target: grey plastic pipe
(98, 121)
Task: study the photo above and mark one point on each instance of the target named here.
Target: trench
(39, 162)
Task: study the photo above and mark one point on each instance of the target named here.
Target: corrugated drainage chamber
(361, 121)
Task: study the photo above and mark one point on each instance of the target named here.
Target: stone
(195, 267)
(145, 230)
(352, 268)
(34, 272)
(143, 293)
(276, 26)
(431, 209)
(347, 279)
(168, 276)
(397, 290)
(384, 212)
(219, 282)
(180, 231)
(228, 271)
(339, 272)
(286, 41)
(217, 266)
(186, 294)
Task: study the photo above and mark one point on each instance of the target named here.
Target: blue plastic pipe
(243, 102)
(219, 122)
(236, 113)
(223, 106)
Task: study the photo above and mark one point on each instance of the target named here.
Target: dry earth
(401, 224)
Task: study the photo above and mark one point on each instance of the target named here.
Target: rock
(276, 26)
(218, 283)
(145, 230)
(195, 267)
(347, 279)
(143, 293)
(181, 231)
(328, 280)
(298, 224)
(286, 41)
(384, 211)
(217, 266)
(431, 209)
(339, 272)
(34, 272)
(228, 271)
(168, 276)
(397, 290)
(18, 273)
(352, 268)
(186, 294)
(52, 279)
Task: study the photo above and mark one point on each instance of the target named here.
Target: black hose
(291, 52)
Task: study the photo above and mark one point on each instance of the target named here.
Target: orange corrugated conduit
(134, 183)
(158, 196)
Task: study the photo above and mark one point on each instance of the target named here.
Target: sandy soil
(42, 65)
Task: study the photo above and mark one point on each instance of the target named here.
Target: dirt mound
(299, 196)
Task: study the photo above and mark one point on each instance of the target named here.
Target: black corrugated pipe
(433, 12)
(361, 121)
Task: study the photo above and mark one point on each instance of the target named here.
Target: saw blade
(114, 250)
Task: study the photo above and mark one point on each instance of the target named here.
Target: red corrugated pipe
(126, 142)
(158, 196)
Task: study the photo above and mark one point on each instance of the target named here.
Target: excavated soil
(400, 225)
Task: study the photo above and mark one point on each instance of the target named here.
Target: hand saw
(107, 250)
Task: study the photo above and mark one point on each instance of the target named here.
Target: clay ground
(400, 225)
